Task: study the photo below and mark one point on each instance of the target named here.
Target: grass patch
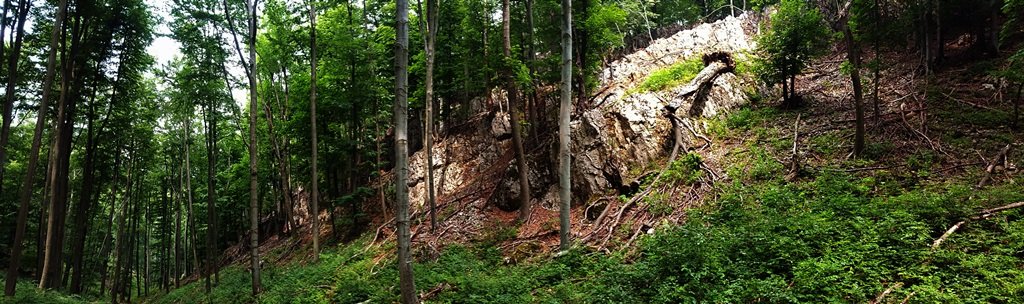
(826, 144)
(672, 76)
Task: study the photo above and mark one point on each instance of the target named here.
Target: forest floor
(738, 222)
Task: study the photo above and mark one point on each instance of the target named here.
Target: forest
(499, 151)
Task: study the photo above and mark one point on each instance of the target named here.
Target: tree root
(672, 157)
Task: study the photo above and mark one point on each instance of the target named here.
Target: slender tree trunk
(430, 37)
(878, 59)
(109, 234)
(279, 156)
(177, 234)
(314, 180)
(12, 79)
(85, 203)
(564, 110)
(514, 120)
(853, 52)
(211, 192)
(191, 233)
(119, 247)
(407, 283)
(27, 185)
(536, 105)
(254, 213)
(145, 252)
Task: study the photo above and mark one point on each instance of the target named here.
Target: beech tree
(407, 283)
(564, 110)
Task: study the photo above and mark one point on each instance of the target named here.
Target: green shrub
(685, 169)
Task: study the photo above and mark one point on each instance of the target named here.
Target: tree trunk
(429, 37)
(853, 53)
(177, 234)
(314, 181)
(513, 105)
(12, 80)
(109, 234)
(27, 184)
(254, 213)
(564, 110)
(407, 283)
(280, 159)
(878, 59)
(192, 234)
(85, 201)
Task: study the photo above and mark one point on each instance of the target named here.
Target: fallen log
(715, 64)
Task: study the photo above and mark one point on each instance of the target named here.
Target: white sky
(164, 48)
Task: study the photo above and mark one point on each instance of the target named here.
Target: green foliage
(26, 292)
(677, 74)
(830, 239)
(659, 203)
(686, 169)
(828, 143)
(797, 34)
(747, 117)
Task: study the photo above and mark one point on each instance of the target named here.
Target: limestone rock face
(628, 129)
(620, 130)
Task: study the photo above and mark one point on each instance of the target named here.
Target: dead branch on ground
(984, 214)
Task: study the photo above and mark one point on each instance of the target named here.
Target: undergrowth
(26, 292)
(831, 238)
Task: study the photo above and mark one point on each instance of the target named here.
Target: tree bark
(12, 80)
(254, 213)
(513, 112)
(564, 110)
(280, 159)
(27, 184)
(314, 180)
(85, 201)
(853, 55)
(407, 283)
(430, 37)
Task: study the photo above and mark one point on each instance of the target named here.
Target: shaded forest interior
(624, 151)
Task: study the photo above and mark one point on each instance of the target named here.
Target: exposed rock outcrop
(627, 129)
(622, 129)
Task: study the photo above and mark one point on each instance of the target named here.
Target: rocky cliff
(622, 128)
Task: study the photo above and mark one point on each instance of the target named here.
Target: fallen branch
(907, 299)
(984, 214)
(434, 291)
(887, 291)
(970, 103)
(1000, 159)
(920, 133)
(794, 164)
(872, 168)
